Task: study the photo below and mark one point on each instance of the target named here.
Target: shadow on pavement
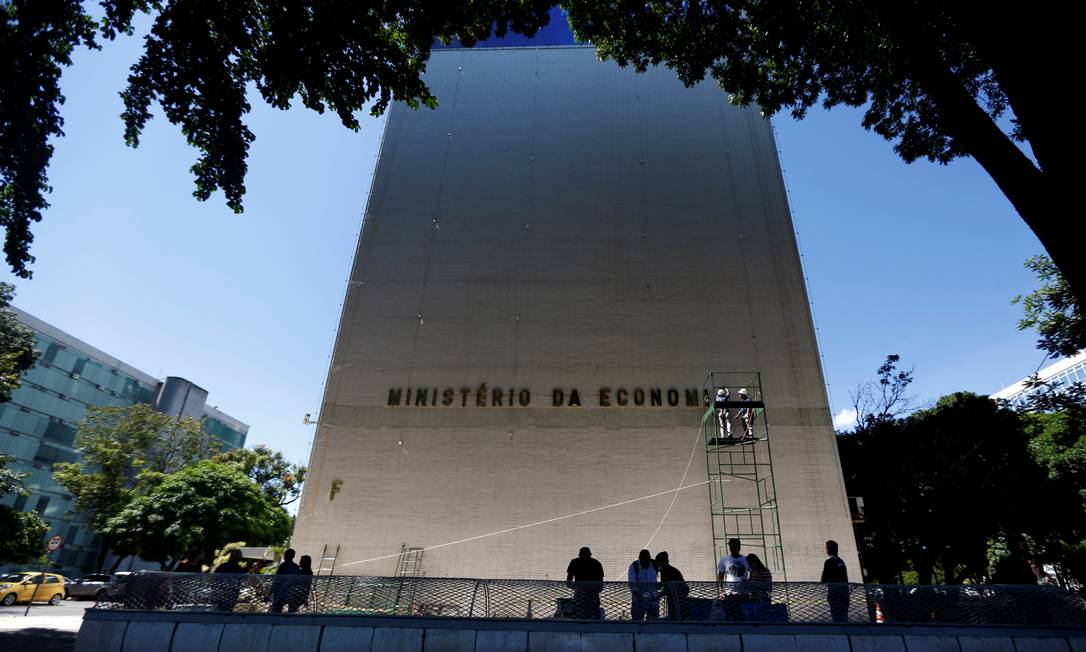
(38, 639)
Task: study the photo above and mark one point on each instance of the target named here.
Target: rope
(675, 496)
(528, 525)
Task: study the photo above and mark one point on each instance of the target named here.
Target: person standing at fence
(299, 595)
(644, 603)
(835, 574)
(232, 565)
(283, 584)
(732, 574)
(673, 587)
(226, 589)
(585, 576)
(1015, 568)
(288, 567)
(188, 588)
(761, 579)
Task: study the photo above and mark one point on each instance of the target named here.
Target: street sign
(53, 544)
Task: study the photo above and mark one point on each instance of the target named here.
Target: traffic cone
(879, 618)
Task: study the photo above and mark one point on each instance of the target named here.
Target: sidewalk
(36, 638)
(41, 631)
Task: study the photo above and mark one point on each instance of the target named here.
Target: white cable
(528, 525)
(675, 497)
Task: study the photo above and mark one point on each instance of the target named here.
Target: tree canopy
(1055, 418)
(11, 481)
(201, 507)
(944, 487)
(156, 486)
(939, 80)
(280, 480)
(23, 532)
(938, 485)
(1053, 311)
(126, 450)
(886, 398)
(17, 352)
(198, 62)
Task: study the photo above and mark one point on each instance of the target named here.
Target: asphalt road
(40, 609)
(46, 629)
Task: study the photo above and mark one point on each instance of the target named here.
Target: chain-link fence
(795, 602)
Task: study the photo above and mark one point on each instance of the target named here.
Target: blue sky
(919, 260)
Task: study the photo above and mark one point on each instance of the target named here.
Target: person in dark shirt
(585, 576)
(188, 589)
(232, 563)
(674, 588)
(226, 590)
(835, 574)
(288, 567)
(282, 587)
(300, 595)
(760, 583)
(1015, 568)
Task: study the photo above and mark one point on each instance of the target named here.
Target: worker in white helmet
(746, 415)
(723, 419)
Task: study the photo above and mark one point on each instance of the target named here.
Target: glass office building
(1063, 373)
(38, 424)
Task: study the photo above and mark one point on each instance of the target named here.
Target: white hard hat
(743, 391)
(720, 392)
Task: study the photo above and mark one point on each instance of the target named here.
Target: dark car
(89, 587)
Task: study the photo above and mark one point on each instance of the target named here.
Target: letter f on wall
(336, 484)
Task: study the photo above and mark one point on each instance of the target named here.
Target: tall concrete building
(550, 264)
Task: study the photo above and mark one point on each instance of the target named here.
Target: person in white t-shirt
(732, 574)
(644, 596)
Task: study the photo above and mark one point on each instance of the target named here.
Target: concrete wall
(178, 632)
(559, 222)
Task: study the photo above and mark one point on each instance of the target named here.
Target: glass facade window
(231, 437)
(61, 433)
(51, 454)
(19, 447)
(1076, 373)
(43, 504)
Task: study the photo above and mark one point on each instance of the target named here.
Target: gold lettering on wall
(482, 396)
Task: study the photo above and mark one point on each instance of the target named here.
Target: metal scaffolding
(742, 494)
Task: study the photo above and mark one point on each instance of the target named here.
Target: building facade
(38, 424)
(1062, 372)
(550, 264)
